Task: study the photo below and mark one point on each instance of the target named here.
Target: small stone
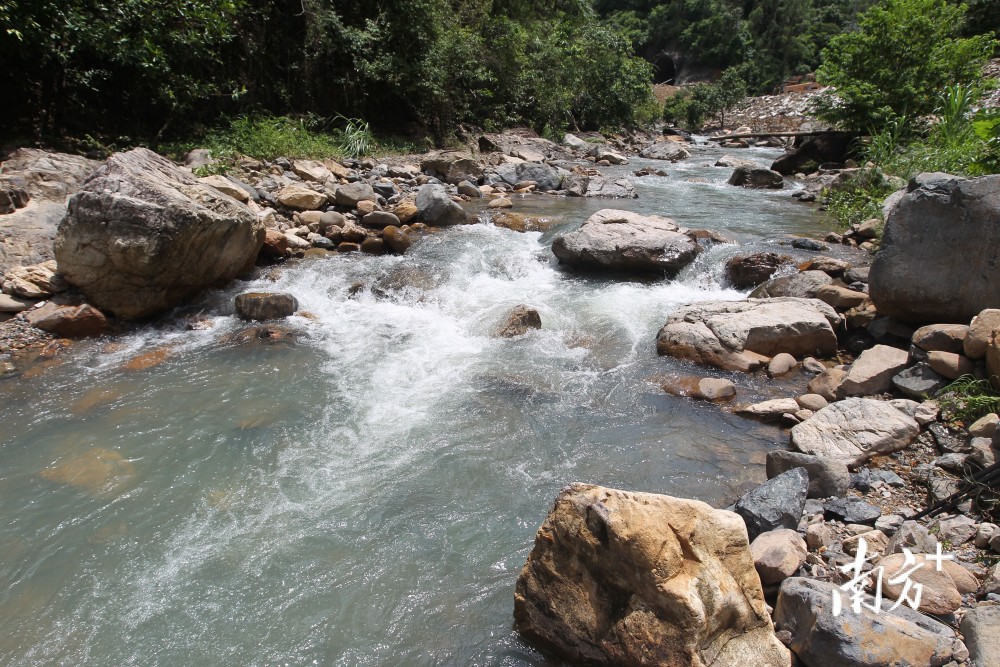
(827, 383)
(771, 410)
(302, 198)
(777, 555)
(716, 389)
(940, 596)
(985, 427)
(876, 542)
(984, 533)
(873, 371)
(852, 510)
(781, 364)
(827, 477)
(950, 365)
(70, 321)
(981, 629)
(841, 297)
(957, 530)
(818, 536)
(813, 402)
(501, 202)
(913, 536)
(889, 524)
(940, 337)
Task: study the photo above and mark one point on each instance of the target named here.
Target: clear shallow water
(365, 491)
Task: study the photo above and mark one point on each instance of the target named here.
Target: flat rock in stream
(741, 335)
(612, 240)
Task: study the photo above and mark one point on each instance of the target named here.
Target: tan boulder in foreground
(637, 579)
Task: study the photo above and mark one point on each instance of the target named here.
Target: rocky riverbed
(840, 361)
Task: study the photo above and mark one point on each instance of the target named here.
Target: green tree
(895, 64)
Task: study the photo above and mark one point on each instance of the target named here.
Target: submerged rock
(143, 235)
(756, 177)
(637, 580)
(625, 241)
(98, 471)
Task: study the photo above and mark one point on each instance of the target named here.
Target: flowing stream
(365, 490)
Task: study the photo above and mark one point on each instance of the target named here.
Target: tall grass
(267, 137)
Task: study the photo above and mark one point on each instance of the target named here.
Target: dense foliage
(133, 69)
(892, 68)
(769, 40)
(694, 105)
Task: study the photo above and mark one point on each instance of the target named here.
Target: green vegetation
(768, 39)
(967, 399)
(131, 70)
(893, 67)
(693, 105)
(266, 137)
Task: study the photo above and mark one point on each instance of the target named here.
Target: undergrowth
(267, 137)
(967, 399)
(955, 141)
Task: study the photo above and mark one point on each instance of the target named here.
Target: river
(365, 491)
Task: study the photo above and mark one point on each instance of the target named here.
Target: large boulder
(143, 235)
(47, 179)
(820, 638)
(939, 252)
(981, 628)
(638, 579)
(665, 150)
(854, 430)
(610, 188)
(734, 335)
(625, 241)
(436, 208)
(832, 147)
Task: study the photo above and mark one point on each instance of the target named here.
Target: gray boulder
(919, 381)
(144, 235)
(854, 430)
(777, 503)
(734, 335)
(866, 639)
(804, 285)
(435, 207)
(981, 629)
(939, 251)
(609, 188)
(757, 177)
(544, 176)
(827, 478)
(665, 150)
(350, 194)
(629, 242)
(852, 510)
